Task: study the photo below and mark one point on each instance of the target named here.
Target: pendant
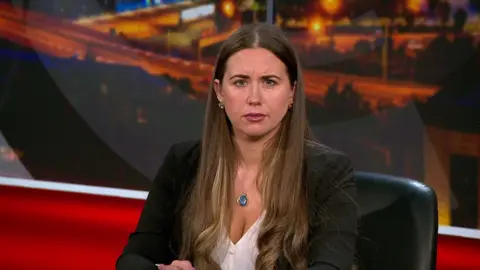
(242, 200)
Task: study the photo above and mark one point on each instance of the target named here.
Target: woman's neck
(250, 152)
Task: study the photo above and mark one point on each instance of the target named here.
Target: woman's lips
(254, 117)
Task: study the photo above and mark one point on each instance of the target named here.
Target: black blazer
(331, 195)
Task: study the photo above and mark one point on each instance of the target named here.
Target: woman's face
(255, 91)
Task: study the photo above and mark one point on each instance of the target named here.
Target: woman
(257, 192)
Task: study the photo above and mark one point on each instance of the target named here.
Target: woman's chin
(255, 134)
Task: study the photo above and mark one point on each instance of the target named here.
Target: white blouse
(239, 256)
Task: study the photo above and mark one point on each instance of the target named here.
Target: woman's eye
(240, 83)
(270, 82)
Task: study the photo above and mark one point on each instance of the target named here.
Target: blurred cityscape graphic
(95, 91)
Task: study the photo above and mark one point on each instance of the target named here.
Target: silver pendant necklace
(242, 200)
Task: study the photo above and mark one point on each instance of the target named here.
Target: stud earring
(221, 105)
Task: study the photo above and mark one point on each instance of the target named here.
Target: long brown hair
(284, 230)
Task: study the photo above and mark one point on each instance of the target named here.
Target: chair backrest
(398, 223)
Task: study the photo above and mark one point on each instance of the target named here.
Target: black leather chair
(398, 223)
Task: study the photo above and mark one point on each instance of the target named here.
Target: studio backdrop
(94, 92)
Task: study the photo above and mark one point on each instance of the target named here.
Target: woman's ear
(294, 89)
(217, 86)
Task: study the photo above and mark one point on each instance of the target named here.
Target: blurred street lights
(331, 6)
(316, 26)
(330, 10)
(228, 8)
(414, 6)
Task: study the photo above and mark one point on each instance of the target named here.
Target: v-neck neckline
(247, 233)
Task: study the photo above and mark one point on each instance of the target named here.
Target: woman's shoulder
(185, 149)
(324, 162)
(322, 155)
(329, 174)
(182, 158)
